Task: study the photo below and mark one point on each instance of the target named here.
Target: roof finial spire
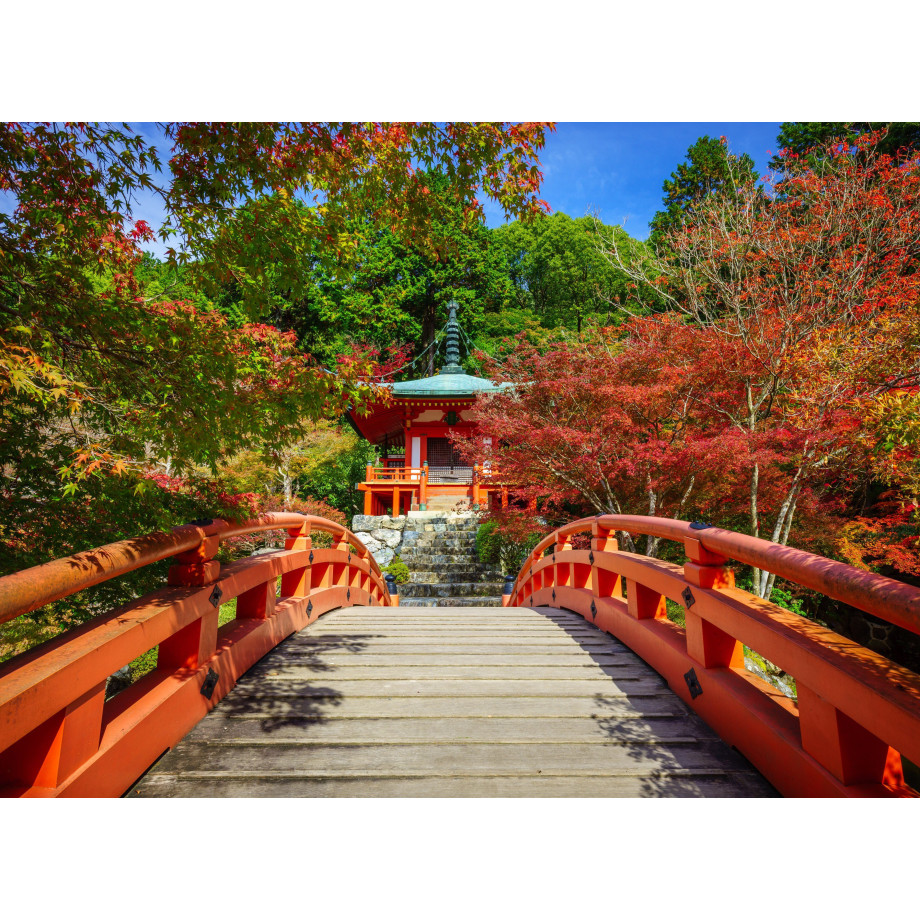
(453, 343)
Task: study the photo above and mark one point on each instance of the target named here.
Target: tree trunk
(755, 523)
(651, 543)
(288, 485)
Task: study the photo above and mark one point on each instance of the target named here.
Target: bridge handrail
(855, 712)
(890, 600)
(25, 591)
(61, 735)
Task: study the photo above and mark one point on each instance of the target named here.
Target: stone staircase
(444, 568)
(440, 552)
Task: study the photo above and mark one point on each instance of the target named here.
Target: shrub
(496, 546)
(398, 569)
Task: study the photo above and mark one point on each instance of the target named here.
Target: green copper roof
(446, 385)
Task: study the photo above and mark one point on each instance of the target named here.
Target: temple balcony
(397, 490)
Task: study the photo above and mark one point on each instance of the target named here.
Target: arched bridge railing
(58, 733)
(856, 712)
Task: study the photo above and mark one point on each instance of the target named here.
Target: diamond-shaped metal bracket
(693, 684)
(699, 525)
(309, 606)
(554, 594)
(687, 595)
(210, 682)
(215, 596)
(593, 610)
(348, 595)
(591, 557)
(311, 556)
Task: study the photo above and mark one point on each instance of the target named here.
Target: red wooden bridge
(580, 686)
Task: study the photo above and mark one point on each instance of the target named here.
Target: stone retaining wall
(386, 537)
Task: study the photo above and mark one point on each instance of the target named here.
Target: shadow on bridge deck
(452, 702)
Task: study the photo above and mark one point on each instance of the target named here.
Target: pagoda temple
(419, 467)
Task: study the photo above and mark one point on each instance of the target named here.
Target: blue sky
(617, 169)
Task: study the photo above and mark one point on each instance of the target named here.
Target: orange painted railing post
(197, 642)
(49, 754)
(846, 749)
(297, 582)
(643, 602)
(197, 566)
(603, 582)
(706, 643)
(423, 488)
(395, 501)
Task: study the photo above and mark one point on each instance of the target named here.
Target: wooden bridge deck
(451, 702)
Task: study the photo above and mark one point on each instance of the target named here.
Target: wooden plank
(576, 759)
(257, 705)
(318, 730)
(322, 686)
(683, 784)
(421, 644)
(461, 671)
(563, 658)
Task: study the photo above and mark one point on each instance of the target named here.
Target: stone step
(471, 565)
(455, 578)
(454, 590)
(438, 527)
(434, 560)
(451, 602)
(446, 544)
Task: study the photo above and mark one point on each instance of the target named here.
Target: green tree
(397, 291)
(560, 272)
(709, 167)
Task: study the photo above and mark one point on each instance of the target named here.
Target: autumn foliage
(769, 390)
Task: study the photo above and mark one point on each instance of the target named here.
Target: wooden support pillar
(192, 645)
(197, 566)
(706, 643)
(297, 582)
(644, 603)
(395, 501)
(604, 583)
(847, 750)
(49, 754)
(257, 603)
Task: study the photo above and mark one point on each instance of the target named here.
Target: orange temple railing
(856, 712)
(59, 735)
(420, 482)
